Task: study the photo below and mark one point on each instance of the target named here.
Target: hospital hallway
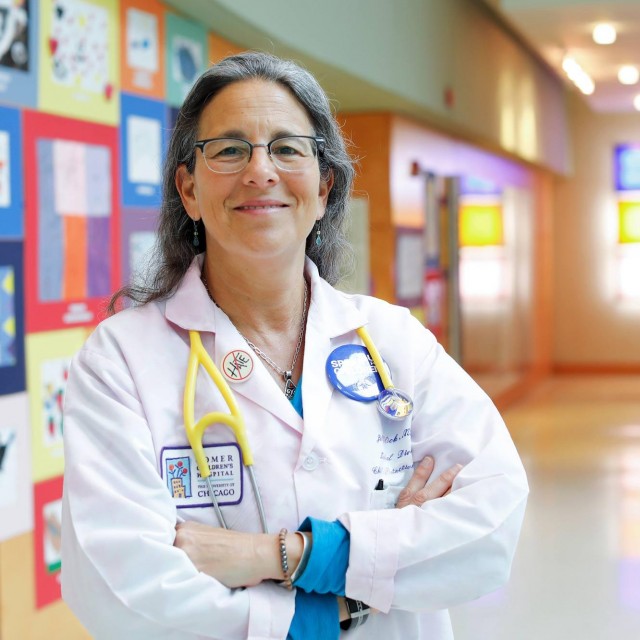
(576, 575)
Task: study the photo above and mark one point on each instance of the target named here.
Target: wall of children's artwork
(89, 90)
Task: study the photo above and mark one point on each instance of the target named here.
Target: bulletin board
(142, 52)
(72, 221)
(11, 199)
(18, 59)
(80, 188)
(79, 50)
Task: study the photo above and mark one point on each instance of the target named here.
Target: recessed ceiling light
(636, 102)
(604, 33)
(628, 74)
(578, 75)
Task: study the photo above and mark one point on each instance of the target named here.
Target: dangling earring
(318, 234)
(196, 240)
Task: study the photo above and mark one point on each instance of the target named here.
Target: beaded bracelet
(284, 561)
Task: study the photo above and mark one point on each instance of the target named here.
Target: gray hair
(174, 250)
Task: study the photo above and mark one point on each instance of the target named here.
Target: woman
(255, 191)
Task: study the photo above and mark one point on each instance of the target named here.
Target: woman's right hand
(419, 490)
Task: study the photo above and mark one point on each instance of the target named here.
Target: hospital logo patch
(189, 489)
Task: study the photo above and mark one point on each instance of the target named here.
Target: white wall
(591, 325)
(401, 56)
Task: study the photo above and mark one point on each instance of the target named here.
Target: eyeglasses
(290, 153)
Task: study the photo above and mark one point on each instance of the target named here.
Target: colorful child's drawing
(16, 488)
(142, 53)
(14, 34)
(5, 170)
(47, 497)
(79, 46)
(7, 317)
(187, 49)
(74, 220)
(54, 374)
(52, 516)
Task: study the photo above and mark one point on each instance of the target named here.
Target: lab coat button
(310, 462)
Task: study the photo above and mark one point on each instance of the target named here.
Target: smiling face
(261, 211)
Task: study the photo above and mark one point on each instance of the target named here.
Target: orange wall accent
(599, 368)
(370, 134)
(220, 48)
(542, 351)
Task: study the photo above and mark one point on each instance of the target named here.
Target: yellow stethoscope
(391, 402)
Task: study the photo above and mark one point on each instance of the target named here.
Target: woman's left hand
(235, 558)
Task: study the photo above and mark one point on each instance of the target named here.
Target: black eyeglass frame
(320, 146)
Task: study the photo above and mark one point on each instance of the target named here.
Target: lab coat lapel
(260, 387)
(190, 308)
(332, 321)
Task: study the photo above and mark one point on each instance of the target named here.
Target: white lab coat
(123, 578)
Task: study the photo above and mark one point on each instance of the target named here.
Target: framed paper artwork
(72, 223)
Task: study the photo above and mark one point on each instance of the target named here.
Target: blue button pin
(351, 371)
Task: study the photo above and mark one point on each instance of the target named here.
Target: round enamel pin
(352, 372)
(237, 366)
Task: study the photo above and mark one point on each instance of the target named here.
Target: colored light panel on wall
(481, 225)
(628, 270)
(482, 277)
(472, 185)
(627, 167)
(629, 222)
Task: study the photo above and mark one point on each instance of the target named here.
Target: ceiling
(555, 28)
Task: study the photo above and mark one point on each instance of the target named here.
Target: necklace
(289, 387)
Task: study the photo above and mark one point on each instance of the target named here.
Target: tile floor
(577, 572)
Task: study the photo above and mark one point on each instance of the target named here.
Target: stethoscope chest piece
(352, 372)
(395, 404)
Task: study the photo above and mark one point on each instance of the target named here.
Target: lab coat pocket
(385, 498)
